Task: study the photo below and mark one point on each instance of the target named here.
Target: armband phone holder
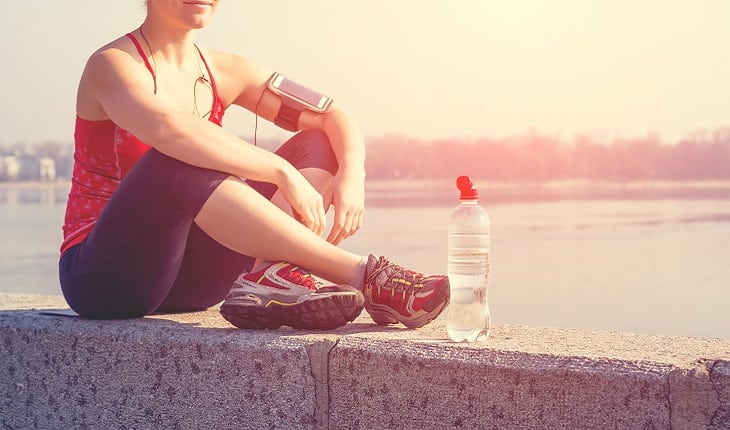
(295, 98)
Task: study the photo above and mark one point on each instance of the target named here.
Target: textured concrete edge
(720, 378)
(698, 382)
(319, 359)
(694, 399)
(471, 388)
(268, 372)
(696, 394)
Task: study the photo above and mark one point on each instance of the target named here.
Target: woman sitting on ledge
(160, 219)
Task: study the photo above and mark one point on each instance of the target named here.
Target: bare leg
(241, 219)
(320, 180)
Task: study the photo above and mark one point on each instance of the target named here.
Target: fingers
(346, 223)
(313, 218)
(307, 205)
(320, 221)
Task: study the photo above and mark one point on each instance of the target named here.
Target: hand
(347, 195)
(305, 201)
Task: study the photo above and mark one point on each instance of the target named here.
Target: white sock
(358, 280)
(261, 265)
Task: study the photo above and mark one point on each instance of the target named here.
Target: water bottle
(468, 317)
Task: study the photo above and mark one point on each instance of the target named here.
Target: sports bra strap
(207, 68)
(146, 61)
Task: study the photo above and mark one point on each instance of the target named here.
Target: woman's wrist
(284, 172)
(352, 171)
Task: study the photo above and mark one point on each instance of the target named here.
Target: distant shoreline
(27, 185)
(440, 192)
(565, 184)
(426, 192)
(379, 184)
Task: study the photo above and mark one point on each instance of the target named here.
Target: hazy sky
(423, 68)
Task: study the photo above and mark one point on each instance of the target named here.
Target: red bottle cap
(466, 186)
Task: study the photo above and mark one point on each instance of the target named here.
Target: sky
(428, 69)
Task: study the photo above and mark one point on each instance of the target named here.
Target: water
(464, 317)
(647, 266)
(30, 237)
(643, 266)
(467, 316)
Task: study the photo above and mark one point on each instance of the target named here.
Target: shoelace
(297, 275)
(302, 277)
(399, 278)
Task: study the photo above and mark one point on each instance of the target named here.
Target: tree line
(531, 157)
(535, 157)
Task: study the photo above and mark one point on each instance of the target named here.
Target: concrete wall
(194, 371)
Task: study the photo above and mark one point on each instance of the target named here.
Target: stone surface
(413, 385)
(693, 398)
(720, 377)
(196, 371)
(186, 371)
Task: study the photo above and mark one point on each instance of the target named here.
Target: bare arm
(347, 193)
(118, 84)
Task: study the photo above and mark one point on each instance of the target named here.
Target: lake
(638, 265)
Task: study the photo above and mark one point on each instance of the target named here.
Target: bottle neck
(472, 202)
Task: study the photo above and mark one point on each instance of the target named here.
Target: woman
(159, 219)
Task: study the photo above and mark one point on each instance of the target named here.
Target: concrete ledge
(196, 371)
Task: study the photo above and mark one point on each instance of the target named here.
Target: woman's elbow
(161, 130)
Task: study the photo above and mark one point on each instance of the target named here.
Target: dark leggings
(145, 252)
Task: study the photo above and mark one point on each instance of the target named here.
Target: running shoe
(284, 294)
(395, 294)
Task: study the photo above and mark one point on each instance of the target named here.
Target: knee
(312, 148)
(106, 309)
(313, 137)
(156, 161)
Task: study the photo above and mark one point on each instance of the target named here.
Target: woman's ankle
(358, 279)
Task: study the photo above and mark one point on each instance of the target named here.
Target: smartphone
(287, 88)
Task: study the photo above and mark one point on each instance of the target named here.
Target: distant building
(47, 169)
(9, 168)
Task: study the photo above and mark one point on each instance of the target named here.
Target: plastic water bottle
(468, 317)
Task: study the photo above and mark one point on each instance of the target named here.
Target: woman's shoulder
(121, 43)
(229, 62)
(235, 75)
(105, 66)
(116, 58)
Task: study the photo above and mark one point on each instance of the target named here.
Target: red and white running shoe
(395, 294)
(284, 294)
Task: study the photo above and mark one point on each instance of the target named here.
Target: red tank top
(103, 155)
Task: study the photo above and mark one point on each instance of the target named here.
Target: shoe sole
(385, 315)
(324, 311)
(388, 316)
